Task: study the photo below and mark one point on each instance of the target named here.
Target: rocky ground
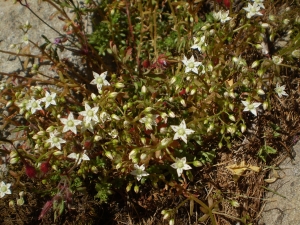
(282, 197)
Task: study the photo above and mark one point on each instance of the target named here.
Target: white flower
(224, 16)
(139, 172)
(25, 39)
(70, 123)
(253, 10)
(90, 113)
(216, 15)
(55, 141)
(33, 105)
(251, 106)
(198, 43)
(49, 99)
(4, 189)
(79, 157)
(114, 133)
(260, 3)
(149, 120)
(104, 117)
(180, 165)
(280, 90)
(191, 65)
(277, 59)
(181, 131)
(88, 126)
(100, 80)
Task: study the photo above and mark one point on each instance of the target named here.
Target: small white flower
(55, 141)
(4, 189)
(224, 16)
(198, 43)
(280, 90)
(181, 131)
(191, 65)
(180, 165)
(79, 157)
(104, 117)
(277, 60)
(149, 120)
(100, 80)
(70, 123)
(251, 106)
(260, 3)
(139, 172)
(88, 126)
(33, 105)
(25, 39)
(216, 15)
(49, 99)
(114, 133)
(253, 10)
(90, 113)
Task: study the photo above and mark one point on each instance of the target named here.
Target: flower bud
(231, 129)
(94, 169)
(9, 103)
(54, 167)
(13, 154)
(94, 97)
(171, 222)
(14, 160)
(136, 189)
(272, 17)
(260, 92)
(193, 91)
(144, 89)
(20, 201)
(286, 21)
(197, 164)
(128, 187)
(41, 133)
(148, 109)
(58, 153)
(232, 94)
(265, 25)
(119, 85)
(173, 80)
(258, 46)
(171, 114)
(166, 216)
(232, 118)
(220, 145)
(260, 73)
(97, 138)
(113, 94)
(265, 105)
(296, 53)
(211, 127)
(143, 140)
(243, 128)
(231, 106)
(183, 102)
(115, 117)
(119, 165)
(143, 156)
(50, 129)
(255, 64)
(109, 155)
(11, 204)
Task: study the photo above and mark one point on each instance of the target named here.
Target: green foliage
(266, 151)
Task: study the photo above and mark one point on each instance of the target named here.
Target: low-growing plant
(163, 89)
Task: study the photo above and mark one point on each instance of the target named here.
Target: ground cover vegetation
(175, 113)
